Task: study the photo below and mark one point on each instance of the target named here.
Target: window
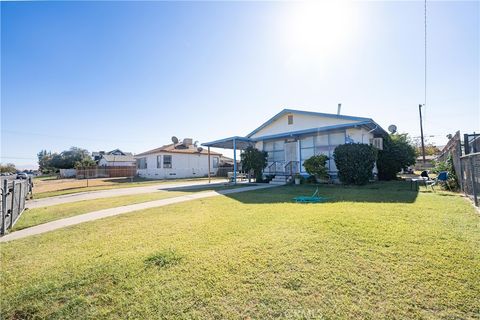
(167, 161)
(274, 150)
(290, 119)
(142, 163)
(159, 162)
(321, 144)
(215, 162)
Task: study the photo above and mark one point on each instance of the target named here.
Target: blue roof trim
(311, 113)
(320, 129)
(216, 142)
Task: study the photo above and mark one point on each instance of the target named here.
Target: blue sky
(105, 75)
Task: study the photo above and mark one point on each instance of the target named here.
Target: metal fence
(470, 176)
(466, 162)
(12, 202)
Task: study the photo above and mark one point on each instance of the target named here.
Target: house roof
(118, 158)
(170, 148)
(311, 113)
(368, 124)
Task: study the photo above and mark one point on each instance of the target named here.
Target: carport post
(208, 164)
(235, 161)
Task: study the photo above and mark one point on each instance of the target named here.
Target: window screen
(167, 161)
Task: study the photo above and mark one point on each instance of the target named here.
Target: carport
(233, 143)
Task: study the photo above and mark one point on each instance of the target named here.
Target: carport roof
(240, 143)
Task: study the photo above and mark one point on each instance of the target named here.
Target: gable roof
(311, 113)
(170, 148)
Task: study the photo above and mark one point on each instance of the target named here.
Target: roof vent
(339, 108)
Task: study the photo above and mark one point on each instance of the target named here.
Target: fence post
(474, 189)
(4, 206)
(20, 196)
(12, 207)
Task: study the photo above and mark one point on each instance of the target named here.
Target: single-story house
(292, 136)
(177, 160)
(114, 158)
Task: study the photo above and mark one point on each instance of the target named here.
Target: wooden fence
(106, 172)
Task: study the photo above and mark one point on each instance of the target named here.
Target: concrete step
(280, 183)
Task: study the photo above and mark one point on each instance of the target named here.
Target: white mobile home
(292, 136)
(181, 160)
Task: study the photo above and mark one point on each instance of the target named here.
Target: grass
(256, 255)
(51, 188)
(36, 216)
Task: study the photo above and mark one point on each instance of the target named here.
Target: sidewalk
(95, 215)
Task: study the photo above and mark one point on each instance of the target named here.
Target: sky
(129, 75)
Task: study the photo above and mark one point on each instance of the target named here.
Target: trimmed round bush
(355, 162)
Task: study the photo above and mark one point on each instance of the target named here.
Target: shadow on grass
(381, 192)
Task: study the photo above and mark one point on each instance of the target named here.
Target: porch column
(209, 165)
(234, 161)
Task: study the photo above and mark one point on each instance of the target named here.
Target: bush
(355, 162)
(254, 159)
(447, 165)
(397, 153)
(311, 180)
(315, 166)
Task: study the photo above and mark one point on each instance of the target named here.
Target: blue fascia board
(313, 130)
(311, 113)
(236, 138)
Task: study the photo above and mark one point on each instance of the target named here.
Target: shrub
(397, 153)
(311, 180)
(447, 165)
(254, 159)
(315, 166)
(355, 162)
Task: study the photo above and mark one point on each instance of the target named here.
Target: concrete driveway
(90, 195)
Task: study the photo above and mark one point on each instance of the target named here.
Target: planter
(297, 180)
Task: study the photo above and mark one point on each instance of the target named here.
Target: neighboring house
(114, 158)
(180, 160)
(292, 136)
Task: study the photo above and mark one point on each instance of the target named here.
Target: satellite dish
(174, 140)
(199, 149)
(392, 128)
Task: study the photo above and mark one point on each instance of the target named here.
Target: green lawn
(375, 252)
(36, 216)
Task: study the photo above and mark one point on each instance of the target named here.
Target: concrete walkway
(90, 195)
(95, 215)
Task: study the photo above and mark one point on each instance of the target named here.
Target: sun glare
(318, 28)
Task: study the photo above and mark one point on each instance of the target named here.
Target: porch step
(279, 180)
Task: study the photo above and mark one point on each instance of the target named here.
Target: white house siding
(183, 166)
(300, 122)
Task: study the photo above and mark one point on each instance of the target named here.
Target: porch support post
(209, 178)
(234, 161)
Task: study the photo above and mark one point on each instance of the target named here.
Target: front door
(291, 161)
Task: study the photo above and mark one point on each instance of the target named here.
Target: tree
(254, 159)
(64, 160)
(315, 166)
(7, 168)
(398, 153)
(355, 162)
(85, 163)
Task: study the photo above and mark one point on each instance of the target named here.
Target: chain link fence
(12, 202)
(471, 176)
(466, 161)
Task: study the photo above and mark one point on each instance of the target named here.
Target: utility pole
(421, 133)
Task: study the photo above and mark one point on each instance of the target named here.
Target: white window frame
(167, 164)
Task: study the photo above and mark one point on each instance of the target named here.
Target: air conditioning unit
(187, 142)
(377, 143)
